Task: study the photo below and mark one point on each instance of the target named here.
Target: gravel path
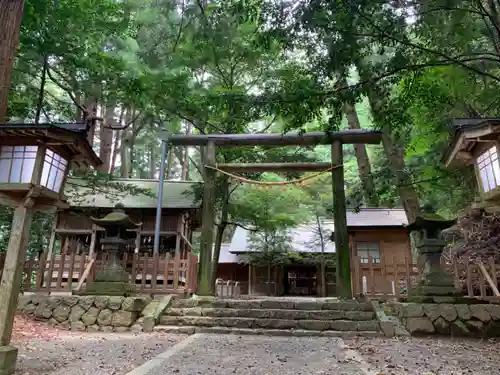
(212, 354)
(90, 353)
(429, 356)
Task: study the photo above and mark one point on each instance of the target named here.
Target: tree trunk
(106, 135)
(41, 92)
(11, 14)
(89, 116)
(219, 235)
(116, 145)
(364, 167)
(185, 161)
(152, 163)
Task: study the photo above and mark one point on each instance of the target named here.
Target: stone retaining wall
(481, 319)
(86, 313)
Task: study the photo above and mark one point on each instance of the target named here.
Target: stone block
(101, 302)
(458, 328)
(66, 325)
(475, 326)
(29, 309)
(479, 312)
(231, 322)
(76, 313)
(78, 326)
(136, 328)
(331, 305)
(148, 324)
(308, 305)
(276, 323)
(70, 300)
(326, 314)
(359, 315)
(314, 325)
(43, 311)
(61, 312)
(348, 305)
(86, 302)
(53, 301)
(121, 329)
(343, 325)
(90, 317)
(448, 312)
(134, 304)
(442, 326)
(104, 318)
(8, 359)
(93, 328)
(419, 325)
(432, 310)
(123, 318)
(493, 310)
(412, 310)
(115, 302)
(463, 312)
(107, 329)
(23, 301)
(150, 308)
(387, 328)
(368, 325)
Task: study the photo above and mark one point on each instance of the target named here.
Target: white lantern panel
(54, 170)
(17, 163)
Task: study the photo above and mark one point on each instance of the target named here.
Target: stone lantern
(430, 245)
(34, 163)
(113, 280)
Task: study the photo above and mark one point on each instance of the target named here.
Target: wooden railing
(158, 274)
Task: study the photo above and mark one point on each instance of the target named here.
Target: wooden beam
(207, 228)
(287, 139)
(86, 273)
(275, 167)
(488, 278)
(340, 225)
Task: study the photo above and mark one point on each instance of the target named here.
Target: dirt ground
(429, 356)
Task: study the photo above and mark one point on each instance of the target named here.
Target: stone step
(238, 322)
(272, 313)
(333, 304)
(263, 331)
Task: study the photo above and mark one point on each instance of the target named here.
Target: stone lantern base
(111, 282)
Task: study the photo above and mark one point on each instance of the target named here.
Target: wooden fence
(160, 274)
(391, 278)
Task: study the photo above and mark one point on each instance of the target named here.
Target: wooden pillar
(52, 240)
(178, 235)
(10, 286)
(93, 240)
(340, 224)
(207, 228)
(249, 279)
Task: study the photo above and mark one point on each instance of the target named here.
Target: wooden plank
(396, 277)
(352, 136)
(86, 273)
(488, 279)
(482, 285)
(69, 286)
(154, 274)
(274, 167)
(28, 272)
(50, 270)
(133, 274)
(40, 271)
(60, 272)
(371, 287)
(93, 239)
(470, 289)
(408, 276)
(177, 262)
(165, 271)
(144, 272)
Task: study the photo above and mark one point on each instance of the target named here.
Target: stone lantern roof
(117, 218)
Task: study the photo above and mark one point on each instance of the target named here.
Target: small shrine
(113, 279)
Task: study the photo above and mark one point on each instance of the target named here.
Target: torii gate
(211, 141)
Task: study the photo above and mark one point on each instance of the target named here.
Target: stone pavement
(212, 354)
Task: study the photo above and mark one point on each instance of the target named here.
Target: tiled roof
(176, 194)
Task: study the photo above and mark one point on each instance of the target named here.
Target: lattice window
(54, 169)
(489, 169)
(17, 163)
(368, 249)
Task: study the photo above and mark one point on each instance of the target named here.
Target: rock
(43, 311)
(38, 299)
(479, 312)
(76, 313)
(134, 304)
(107, 328)
(493, 310)
(23, 301)
(326, 314)
(115, 302)
(93, 328)
(412, 310)
(123, 318)
(198, 311)
(70, 300)
(104, 318)
(442, 326)
(101, 302)
(90, 317)
(419, 325)
(444, 299)
(359, 315)
(121, 329)
(458, 328)
(78, 326)
(86, 302)
(29, 309)
(463, 312)
(136, 328)
(432, 310)
(448, 312)
(66, 325)
(148, 324)
(308, 305)
(348, 305)
(53, 322)
(150, 308)
(61, 313)
(343, 325)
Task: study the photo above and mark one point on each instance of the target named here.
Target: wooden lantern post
(34, 163)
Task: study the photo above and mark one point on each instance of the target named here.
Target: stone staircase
(271, 316)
